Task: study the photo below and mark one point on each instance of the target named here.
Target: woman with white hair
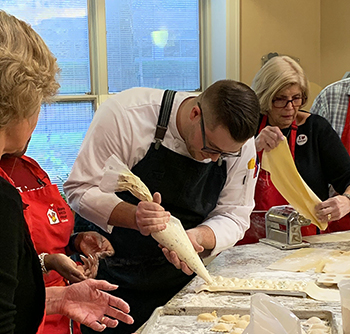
(320, 157)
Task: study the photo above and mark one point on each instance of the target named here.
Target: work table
(250, 261)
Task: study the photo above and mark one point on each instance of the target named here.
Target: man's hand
(151, 216)
(93, 243)
(85, 302)
(268, 138)
(174, 259)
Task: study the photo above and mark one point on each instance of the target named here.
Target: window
(102, 47)
(153, 43)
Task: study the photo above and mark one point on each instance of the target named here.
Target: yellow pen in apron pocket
(249, 182)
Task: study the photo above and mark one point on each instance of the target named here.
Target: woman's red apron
(50, 223)
(342, 224)
(266, 196)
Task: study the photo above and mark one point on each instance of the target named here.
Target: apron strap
(345, 137)
(164, 115)
(292, 138)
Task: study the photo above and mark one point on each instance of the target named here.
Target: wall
(283, 26)
(335, 40)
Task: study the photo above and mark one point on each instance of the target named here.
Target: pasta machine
(283, 227)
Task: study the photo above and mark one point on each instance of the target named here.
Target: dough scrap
(285, 177)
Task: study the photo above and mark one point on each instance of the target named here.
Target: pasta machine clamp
(283, 228)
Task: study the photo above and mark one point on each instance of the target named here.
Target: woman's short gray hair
(278, 73)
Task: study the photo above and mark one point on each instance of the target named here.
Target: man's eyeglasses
(213, 150)
(282, 103)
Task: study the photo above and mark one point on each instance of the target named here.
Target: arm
(113, 131)
(86, 303)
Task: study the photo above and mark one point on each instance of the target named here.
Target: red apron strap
(345, 138)
(293, 138)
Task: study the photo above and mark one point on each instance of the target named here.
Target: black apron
(190, 190)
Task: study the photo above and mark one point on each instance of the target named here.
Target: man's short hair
(234, 105)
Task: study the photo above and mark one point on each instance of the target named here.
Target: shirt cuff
(97, 206)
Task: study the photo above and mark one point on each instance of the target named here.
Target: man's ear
(195, 112)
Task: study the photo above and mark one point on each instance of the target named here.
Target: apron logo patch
(301, 140)
(53, 218)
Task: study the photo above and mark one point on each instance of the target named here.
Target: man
(333, 104)
(195, 162)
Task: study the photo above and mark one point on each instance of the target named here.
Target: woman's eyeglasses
(282, 103)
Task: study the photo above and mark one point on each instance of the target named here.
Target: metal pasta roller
(283, 225)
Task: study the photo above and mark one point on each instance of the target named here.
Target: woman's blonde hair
(278, 73)
(28, 70)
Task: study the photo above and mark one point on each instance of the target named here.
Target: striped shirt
(332, 104)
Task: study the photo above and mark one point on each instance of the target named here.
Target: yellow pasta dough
(285, 177)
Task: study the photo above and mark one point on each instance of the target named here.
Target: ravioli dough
(285, 177)
(221, 327)
(229, 318)
(207, 317)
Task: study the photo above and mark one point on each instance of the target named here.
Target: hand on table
(151, 216)
(86, 303)
(333, 208)
(174, 259)
(268, 138)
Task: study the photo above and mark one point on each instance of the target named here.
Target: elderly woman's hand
(88, 303)
(268, 138)
(333, 208)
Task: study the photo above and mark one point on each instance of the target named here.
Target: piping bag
(117, 177)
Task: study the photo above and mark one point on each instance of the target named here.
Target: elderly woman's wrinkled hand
(268, 138)
(333, 208)
(86, 303)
